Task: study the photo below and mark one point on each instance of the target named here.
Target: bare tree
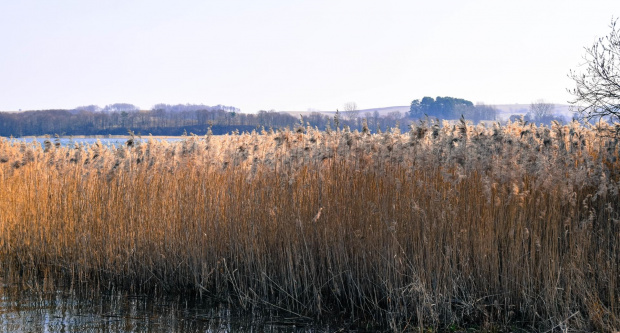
(351, 111)
(350, 106)
(597, 91)
(541, 111)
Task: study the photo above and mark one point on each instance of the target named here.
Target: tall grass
(442, 225)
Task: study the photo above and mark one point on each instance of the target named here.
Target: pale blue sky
(291, 55)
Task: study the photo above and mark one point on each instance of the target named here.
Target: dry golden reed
(497, 226)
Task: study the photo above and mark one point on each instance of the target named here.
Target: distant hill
(384, 111)
(505, 111)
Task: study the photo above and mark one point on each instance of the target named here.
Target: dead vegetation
(462, 225)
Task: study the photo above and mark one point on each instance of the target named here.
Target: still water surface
(27, 310)
(116, 141)
(23, 310)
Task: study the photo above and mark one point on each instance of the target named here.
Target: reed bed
(441, 226)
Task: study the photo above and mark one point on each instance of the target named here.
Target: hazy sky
(291, 55)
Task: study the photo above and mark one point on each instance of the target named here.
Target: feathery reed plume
(497, 226)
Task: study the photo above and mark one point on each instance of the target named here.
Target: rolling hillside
(505, 111)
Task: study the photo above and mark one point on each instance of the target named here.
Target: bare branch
(597, 90)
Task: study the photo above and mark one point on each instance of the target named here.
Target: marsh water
(23, 309)
(72, 141)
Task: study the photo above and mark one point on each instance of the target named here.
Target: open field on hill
(439, 226)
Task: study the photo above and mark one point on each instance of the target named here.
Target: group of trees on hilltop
(450, 108)
(596, 92)
(192, 107)
(597, 96)
(127, 107)
(116, 107)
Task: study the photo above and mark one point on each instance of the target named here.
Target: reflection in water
(71, 142)
(62, 311)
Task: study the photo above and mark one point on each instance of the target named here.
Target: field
(438, 227)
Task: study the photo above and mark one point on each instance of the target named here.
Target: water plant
(447, 225)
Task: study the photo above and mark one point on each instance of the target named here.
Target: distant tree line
(164, 119)
(542, 113)
(450, 108)
(119, 107)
